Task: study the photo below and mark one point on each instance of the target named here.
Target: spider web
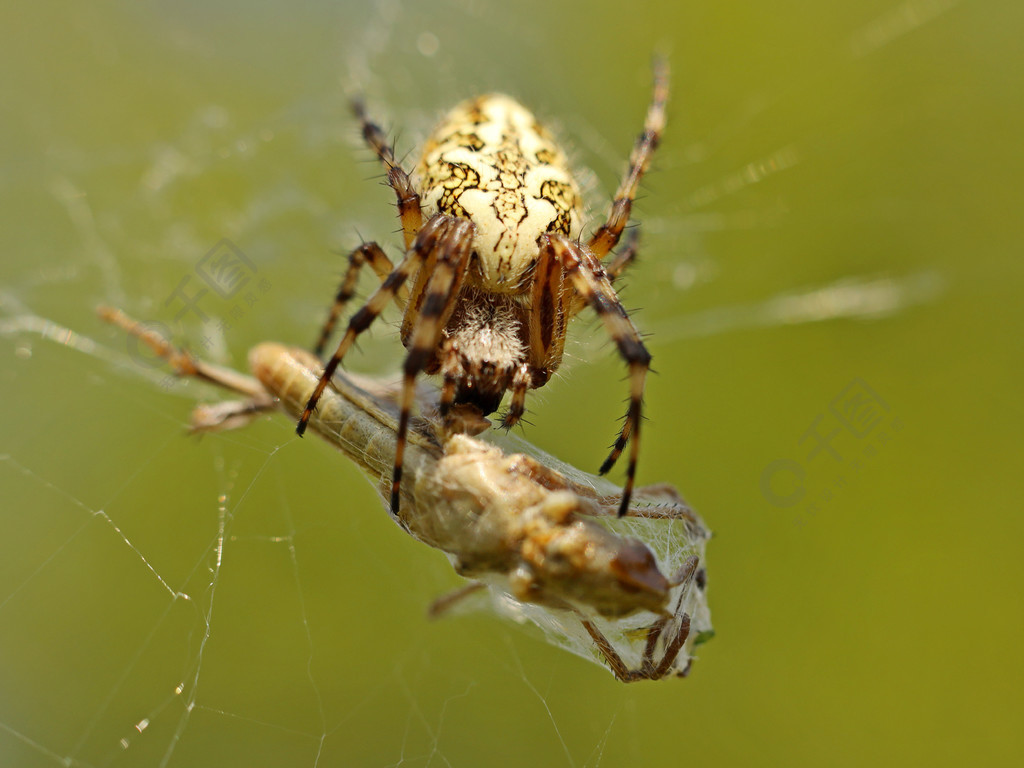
(236, 599)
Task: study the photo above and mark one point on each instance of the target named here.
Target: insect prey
(541, 541)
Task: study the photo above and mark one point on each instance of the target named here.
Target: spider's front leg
(440, 294)
(426, 241)
(614, 268)
(591, 283)
(408, 200)
(625, 257)
(409, 211)
(367, 253)
(521, 381)
(609, 233)
(552, 305)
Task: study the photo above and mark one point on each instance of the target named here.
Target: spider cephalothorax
(491, 219)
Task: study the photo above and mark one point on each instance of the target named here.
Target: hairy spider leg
(407, 197)
(625, 258)
(591, 282)
(521, 381)
(449, 359)
(409, 212)
(367, 253)
(613, 268)
(551, 308)
(451, 262)
(424, 245)
(606, 237)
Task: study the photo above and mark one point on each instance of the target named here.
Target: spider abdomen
(491, 162)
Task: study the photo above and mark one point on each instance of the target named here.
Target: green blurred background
(835, 212)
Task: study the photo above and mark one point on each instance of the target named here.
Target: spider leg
(605, 238)
(517, 405)
(457, 419)
(613, 268)
(450, 378)
(426, 241)
(409, 210)
(451, 252)
(551, 305)
(625, 258)
(591, 282)
(367, 253)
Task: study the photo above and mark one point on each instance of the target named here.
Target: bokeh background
(831, 276)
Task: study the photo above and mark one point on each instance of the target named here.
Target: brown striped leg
(517, 405)
(608, 235)
(367, 253)
(624, 258)
(551, 303)
(408, 199)
(450, 371)
(425, 242)
(613, 268)
(452, 251)
(464, 418)
(591, 282)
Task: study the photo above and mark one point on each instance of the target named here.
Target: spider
(492, 222)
